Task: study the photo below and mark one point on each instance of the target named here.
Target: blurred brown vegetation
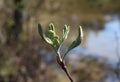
(22, 51)
(92, 69)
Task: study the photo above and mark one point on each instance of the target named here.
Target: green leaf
(51, 34)
(43, 36)
(77, 41)
(54, 39)
(65, 33)
(52, 27)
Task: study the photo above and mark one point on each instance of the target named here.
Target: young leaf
(54, 37)
(51, 34)
(77, 41)
(43, 36)
(52, 27)
(65, 33)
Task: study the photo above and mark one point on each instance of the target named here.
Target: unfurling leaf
(56, 43)
(65, 33)
(54, 39)
(76, 42)
(43, 36)
(52, 27)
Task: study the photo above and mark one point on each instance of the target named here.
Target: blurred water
(105, 42)
(102, 43)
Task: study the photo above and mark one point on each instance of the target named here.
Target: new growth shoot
(56, 42)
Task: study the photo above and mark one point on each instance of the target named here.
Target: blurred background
(24, 57)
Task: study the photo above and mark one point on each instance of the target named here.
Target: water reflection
(102, 43)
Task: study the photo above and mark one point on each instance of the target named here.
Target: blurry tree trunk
(16, 28)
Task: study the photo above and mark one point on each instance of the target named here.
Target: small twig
(64, 67)
(68, 74)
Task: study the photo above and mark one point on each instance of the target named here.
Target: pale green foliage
(65, 33)
(57, 42)
(43, 36)
(76, 42)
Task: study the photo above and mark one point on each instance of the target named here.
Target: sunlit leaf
(52, 27)
(43, 36)
(65, 33)
(76, 42)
